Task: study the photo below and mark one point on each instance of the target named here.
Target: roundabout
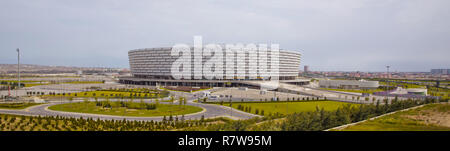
(118, 109)
(207, 111)
(73, 108)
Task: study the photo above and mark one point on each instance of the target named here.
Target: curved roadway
(209, 111)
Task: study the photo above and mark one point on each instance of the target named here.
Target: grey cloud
(359, 35)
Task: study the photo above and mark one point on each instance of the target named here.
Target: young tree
(202, 119)
(172, 99)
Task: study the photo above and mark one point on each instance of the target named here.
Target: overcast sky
(350, 35)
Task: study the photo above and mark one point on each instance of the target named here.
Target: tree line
(58, 123)
(321, 119)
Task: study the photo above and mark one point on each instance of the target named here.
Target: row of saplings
(125, 104)
(321, 119)
(139, 90)
(38, 123)
(131, 94)
(277, 99)
(249, 109)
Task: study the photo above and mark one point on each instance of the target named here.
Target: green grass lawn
(441, 92)
(402, 121)
(161, 109)
(17, 106)
(72, 82)
(280, 107)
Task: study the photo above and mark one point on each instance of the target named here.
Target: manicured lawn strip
(280, 107)
(441, 92)
(17, 106)
(35, 84)
(399, 121)
(161, 109)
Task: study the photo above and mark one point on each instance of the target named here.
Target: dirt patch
(432, 117)
(277, 121)
(216, 122)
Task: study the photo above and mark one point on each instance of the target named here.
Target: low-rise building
(348, 84)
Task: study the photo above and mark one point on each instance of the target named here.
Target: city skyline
(346, 36)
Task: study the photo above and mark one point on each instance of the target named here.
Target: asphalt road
(209, 111)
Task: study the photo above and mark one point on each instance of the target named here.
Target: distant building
(306, 69)
(349, 84)
(417, 91)
(79, 72)
(440, 71)
(414, 91)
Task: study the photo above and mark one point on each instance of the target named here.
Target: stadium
(152, 66)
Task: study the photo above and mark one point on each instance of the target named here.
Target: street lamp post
(231, 109)
(387, 80)
(18, 69)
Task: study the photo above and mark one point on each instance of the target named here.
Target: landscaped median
(17, 106)
(119, 108)
(113, 94)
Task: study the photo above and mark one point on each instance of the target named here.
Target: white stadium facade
(153, 66)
